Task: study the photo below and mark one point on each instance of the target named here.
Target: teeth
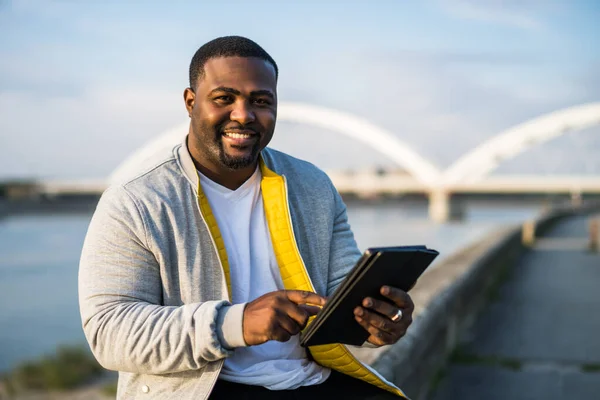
(237, 135)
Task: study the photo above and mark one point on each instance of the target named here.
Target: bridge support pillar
(594, 244)
(576, 199)
(442, 208)
(439, 205)
(528, 233)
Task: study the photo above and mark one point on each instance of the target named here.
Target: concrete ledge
(448, 300)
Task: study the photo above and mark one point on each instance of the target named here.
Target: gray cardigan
(152, 293)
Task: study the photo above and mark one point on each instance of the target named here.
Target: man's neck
(231, 179)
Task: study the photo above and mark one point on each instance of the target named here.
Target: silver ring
(397, 316)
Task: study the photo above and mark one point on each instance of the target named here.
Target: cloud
(83, 136)
(516, 14)
(479, 58)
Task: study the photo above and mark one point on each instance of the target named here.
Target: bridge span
(370, 184)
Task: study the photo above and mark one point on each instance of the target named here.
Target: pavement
(539, 337)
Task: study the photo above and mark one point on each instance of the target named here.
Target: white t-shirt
(254, 272)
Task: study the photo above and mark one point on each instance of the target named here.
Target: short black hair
(226, 46)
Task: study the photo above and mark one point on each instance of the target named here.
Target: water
(38, 284)
(388, 224)
(39, 257)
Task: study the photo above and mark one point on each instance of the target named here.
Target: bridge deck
(539, 338)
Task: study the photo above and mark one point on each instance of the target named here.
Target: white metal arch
(337, 121)
(482, 160)
(366, 132)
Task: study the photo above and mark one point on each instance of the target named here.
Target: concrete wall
(448, 300)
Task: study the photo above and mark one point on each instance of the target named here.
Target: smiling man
(198, 273)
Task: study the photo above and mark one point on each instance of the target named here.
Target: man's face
(233, 111)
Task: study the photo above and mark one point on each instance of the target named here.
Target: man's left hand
(380, 318)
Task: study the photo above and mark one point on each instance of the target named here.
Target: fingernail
(358, 311)
(385, 290)
(368, 302)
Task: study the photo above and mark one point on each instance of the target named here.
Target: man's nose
(242, 113)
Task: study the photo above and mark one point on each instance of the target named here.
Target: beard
(237, 162)
(209, 142)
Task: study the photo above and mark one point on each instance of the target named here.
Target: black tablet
(399, 267)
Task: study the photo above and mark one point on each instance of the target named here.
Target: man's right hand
(279, 315)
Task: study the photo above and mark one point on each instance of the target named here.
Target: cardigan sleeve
(120, 297)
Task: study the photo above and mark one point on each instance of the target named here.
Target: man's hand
(377, 316)
(279, 315)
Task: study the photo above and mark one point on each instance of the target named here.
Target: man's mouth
(240, 137)
(237, 135)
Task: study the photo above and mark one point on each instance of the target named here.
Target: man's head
(227, 46)
(232, 101)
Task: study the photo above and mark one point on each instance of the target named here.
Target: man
(198, 273)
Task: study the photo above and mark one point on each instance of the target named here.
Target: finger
(399, 297)
(376, 320)
(377, 337)
(289, 325)
(377, 341)
(298, 313)
(281, 334)
(310, 310)
(305, 297)
(382, 307)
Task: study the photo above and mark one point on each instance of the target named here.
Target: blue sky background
(83, 84)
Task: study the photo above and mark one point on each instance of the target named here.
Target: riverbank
(538, 339)
(450, 298)
(71, 372)
(47, 206)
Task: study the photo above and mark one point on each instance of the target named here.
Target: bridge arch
(486, 157)
(344, 123)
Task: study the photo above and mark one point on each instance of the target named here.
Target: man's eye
(262, 102)
(223, 99)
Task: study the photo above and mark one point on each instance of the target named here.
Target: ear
(189, 97)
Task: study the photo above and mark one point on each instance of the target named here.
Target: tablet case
(398, 266)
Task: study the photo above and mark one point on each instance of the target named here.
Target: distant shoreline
(43, 206)
(84, 204)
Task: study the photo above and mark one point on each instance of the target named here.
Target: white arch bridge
(467, 175)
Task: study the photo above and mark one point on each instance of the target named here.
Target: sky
(85, 84)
